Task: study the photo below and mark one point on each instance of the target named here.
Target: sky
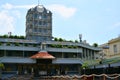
(97, 20)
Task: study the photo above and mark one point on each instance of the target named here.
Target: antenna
(80, 37)
(38, 2)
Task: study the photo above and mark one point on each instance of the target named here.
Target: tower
(39, 24)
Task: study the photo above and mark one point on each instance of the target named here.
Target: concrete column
(62, 55)
(82, 53)
(88, 54)
(85, 54)
(93, 55)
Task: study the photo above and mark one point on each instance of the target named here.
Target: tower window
(40, 23)
(44, 23)
(35, 15)
(44, 16)
(115, 48)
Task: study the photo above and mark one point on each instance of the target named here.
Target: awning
(42, 55)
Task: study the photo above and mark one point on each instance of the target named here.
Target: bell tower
(39, 24)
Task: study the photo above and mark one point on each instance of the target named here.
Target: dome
(40, 8)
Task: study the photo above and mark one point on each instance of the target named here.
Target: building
(41, 55)
(110, 57)
(39, 24)
(112, 48)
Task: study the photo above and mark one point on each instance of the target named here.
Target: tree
(1, 67)
(76, 41)
(16, 37)
(60, 39)
(17, 44)
(70, 41)
(55, 39)
(21, 37)
(95, 44)
(84, 65)
(5, 36)
(11, 36)
(8, 43)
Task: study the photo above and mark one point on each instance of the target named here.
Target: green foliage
(51, 45)
(21, 37)
(2, 65)
(70, 41)
(17, 44)
(75, 47)
(85, 65)
(26, 44)
(34, 45)
(12, 36)
(70, 46)
(60, 39)
(59, 46)
(62, 46)
(65, 46)
(55, 39)
(16, 37)
(0, 43)
(8, 43)
(95, 45)
(5, 36)
(76, 41)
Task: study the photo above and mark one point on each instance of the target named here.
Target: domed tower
(39, 24)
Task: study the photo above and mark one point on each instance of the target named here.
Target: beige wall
(112, 43)
(110, 51)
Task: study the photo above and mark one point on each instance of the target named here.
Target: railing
(67, 77)
(83, 77)
(17, 60)
(75, 44)
(67, 61)
(20, 48)
(64, 50)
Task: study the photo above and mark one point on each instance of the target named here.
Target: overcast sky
(97, 20)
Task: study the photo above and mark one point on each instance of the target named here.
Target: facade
(105, 51)
(41, 55)
(112, 48)
(110, 56)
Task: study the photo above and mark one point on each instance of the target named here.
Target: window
(35, 15)
(40, 23)
(115, 48)
(45, 16)
(44, 22)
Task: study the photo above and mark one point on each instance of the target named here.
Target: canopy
(42, 55)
